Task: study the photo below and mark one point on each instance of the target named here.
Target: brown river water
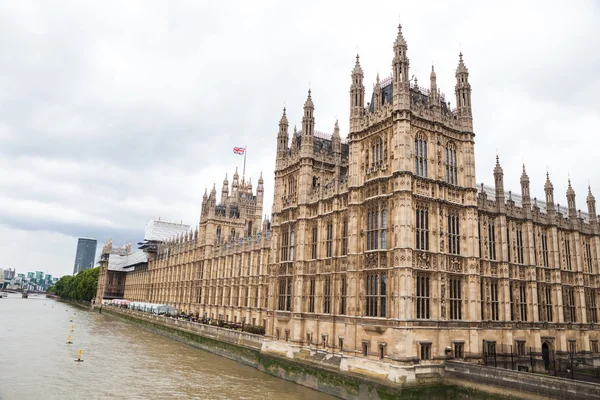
(121, 360)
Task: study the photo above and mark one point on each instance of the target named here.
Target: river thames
(121, 360)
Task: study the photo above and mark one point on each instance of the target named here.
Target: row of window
(490, 245)
(421, 160)
(422, 230)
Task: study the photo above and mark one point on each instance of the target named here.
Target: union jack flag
(239, 150)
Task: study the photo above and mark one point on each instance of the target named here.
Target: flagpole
(244, 169)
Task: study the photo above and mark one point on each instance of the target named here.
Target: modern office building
(86, 252)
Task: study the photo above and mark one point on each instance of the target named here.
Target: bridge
(20, 291)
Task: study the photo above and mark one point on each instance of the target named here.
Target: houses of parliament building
(381, 245)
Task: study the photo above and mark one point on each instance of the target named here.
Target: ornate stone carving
(422, 260)
(455, 265)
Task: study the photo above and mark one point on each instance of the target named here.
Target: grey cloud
(113, 113)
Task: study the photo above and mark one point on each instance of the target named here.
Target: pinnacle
(309, 102)
(432, 72)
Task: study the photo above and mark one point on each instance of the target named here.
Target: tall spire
(377, 94)
(335, 138)
(463, 95)
(308, 127)
(549, 191)
(400, 65)
(571, 205)
(434, 95)
(525, 192)
(225, 190)
(499, 184)
(591, 204)
(357, 96)
(282, 136)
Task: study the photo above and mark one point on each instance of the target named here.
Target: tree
(79, 287)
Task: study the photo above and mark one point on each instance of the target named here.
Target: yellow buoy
(69, 340)
(79, 356)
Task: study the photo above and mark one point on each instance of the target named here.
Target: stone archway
(547, 354)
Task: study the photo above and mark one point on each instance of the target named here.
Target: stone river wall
(353, 378)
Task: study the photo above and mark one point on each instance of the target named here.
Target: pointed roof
(225, 181)
(357, 68)
(205, 196)
(524, 177)
(235, 175)
(461, 69)
(400, 38)
(260, 180)
(498, 168)
(283, 121)
(570, 191)
(590, 196)
(548, 184)
(309, 103)
(432, 75)
(336, 130)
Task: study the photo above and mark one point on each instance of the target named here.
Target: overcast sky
(115, 112)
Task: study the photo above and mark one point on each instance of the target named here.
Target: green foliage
(79, 287)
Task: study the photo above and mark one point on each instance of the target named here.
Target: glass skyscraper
(86, 252)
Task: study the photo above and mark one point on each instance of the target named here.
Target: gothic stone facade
(383, 246)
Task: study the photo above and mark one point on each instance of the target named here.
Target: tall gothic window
(592, 310)
(568, 252)
(327, 296)
(423, 296)
(422, 230)
(343, 293)
(376, 227)
(492, 240)
(218, 235)
(453, 233)
(376, 286)
(451, 170)
(285, 243)
(587, 254)
(522, 302)
(455, 292)
(345, 238)
(285, 294)
(311, 295)
(545, 295)
(313, 245)
(495, 303)
(520, 245)
(421, 156)
(329, 243)
(544, 249)
(569, 304)
(377, 152)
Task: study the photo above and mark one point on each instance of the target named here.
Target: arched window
(218, 234)
(421, 156)
(451, 171)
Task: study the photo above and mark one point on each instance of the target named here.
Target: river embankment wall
(353, 378)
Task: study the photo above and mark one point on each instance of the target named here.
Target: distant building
(9, 274)
(86, 252)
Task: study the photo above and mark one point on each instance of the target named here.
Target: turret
(308, 127)
(377, 94)
(282, 136)
(225, 190)
(434, 94)
(213, 196)
(260, 190)
(400, 66)
(357, 96)
(591, 204)
(499, 184)
(525, 193)
(549, 190)
(336, 141)
(235, 184)
(463, 95)
(572, 208)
